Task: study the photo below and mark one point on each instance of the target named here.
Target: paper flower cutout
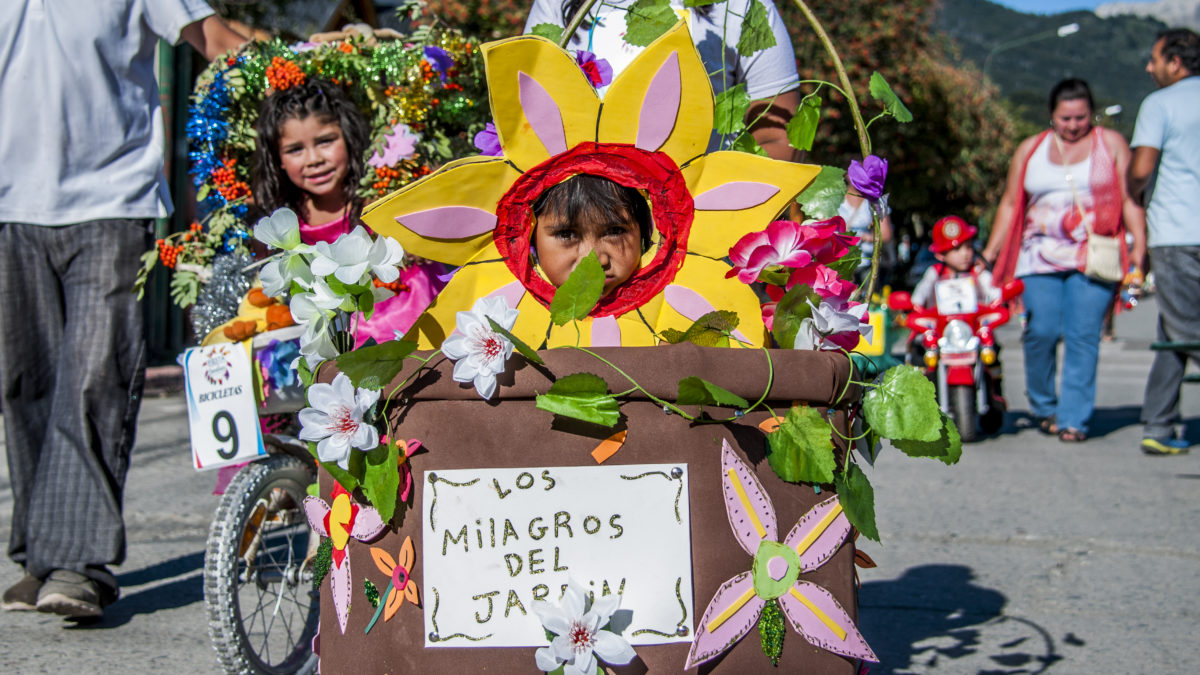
(651, 134)
(342, 521)
(478, 351)
(775, 573)
(400, 585)
(598, 71)
(401, 144)
(579, 636)
(335, 420)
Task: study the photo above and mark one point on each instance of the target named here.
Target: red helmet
(949, 232)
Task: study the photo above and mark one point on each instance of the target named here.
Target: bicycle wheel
(262, 611)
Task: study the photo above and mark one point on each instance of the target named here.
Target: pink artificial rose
(827, 240)
(782, 243)
(824, 281)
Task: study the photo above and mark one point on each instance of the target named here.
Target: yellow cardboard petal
(472, 282)
(707, 278)
(477, 182)
(715, 231)
(624, 99)
(556, 72)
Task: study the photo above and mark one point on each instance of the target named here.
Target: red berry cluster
(226, 182)
(283, 74)
(396, 287)
(167, 253)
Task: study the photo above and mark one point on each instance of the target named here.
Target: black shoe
(21, 596)
(74, 595)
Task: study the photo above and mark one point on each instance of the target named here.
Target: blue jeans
(1067, 307)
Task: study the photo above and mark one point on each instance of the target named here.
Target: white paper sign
(956, 296)
(497, 539)
(222, 417)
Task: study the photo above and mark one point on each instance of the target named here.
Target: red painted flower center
(581, 638)
(342, 422)
(654, 173)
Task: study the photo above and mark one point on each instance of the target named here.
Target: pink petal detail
(367, 524)
(606, 332)
(339, 584)
(691, 305)
(814, 629)
(710, 644)
(827, 543)
(316, 509)
(542, 113)
(762, 510)
(660, 108)
(735, 196)
(449, 222)
(512, 293)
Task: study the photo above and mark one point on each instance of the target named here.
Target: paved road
(1030, 555)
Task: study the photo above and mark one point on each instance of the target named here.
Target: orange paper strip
(609, 447)
(770, 424)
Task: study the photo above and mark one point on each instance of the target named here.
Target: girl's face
(960, 257)
(313, 154)
(561, 245)
(1072, 119)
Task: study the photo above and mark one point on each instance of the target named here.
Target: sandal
(1047, 425)
(1072, 436)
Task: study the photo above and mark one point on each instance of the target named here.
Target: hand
(1133, 278)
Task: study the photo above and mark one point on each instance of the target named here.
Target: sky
(1052, 6)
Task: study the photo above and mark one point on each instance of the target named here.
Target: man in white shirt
(81, 143)
(1166, 148)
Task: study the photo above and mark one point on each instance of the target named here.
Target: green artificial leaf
(801, 449)
(321, 562)
(306, 374)
(823, 196)
(858, 500)
(523, 348)
(790, 312)
(756, 30)
(699, 3)
(695, 391)
(381, 481)
(947, 448)
(746, 143)
(802, 128)
(313, 490)
(881, 91)
(579, 293)
(365, 303)
(771, 629)
(549, 31)
(382, 362)
(582, 396)
(710, 330)
(904, 406)
(729, 115)
(846, 265)
(647, 20)
(202, 192)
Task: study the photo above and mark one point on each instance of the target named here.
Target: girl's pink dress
(420, 283)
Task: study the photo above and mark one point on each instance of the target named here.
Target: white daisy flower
(579, 635)
(335, 420)
(478, 351)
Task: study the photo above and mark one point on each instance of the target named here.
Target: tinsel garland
(322, 561)
(219, 299)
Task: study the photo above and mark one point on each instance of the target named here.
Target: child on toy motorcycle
(954, 247)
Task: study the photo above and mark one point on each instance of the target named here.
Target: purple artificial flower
(439, 59)
(868, 177)
(488, 141)
(598, 71)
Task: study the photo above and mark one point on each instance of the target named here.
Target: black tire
(262, 614)
(991, 421)
(962, 405)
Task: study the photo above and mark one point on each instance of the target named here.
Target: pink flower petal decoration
(782, 243)
(690, 304)
(449, 222)
(339, 584)
(751, 513)
(316, 509)
(735, 196)
(817, 615)
(660, 107)
(819, 534)
(733, 611)
(606, 332)
(542, 113)
(401, 144)
(367, 524)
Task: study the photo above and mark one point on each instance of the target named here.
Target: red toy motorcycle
(959, 350)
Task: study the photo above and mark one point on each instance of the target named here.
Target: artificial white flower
(273, 282)
(833, 326)
(478, 351)
(281, 229)
(578, 624)
(316, 344)
(335, 420)
(346, 258)
(385, 259)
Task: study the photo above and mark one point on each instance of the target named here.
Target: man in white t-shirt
(1166, 148)
(769, 74)
(81, 143)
